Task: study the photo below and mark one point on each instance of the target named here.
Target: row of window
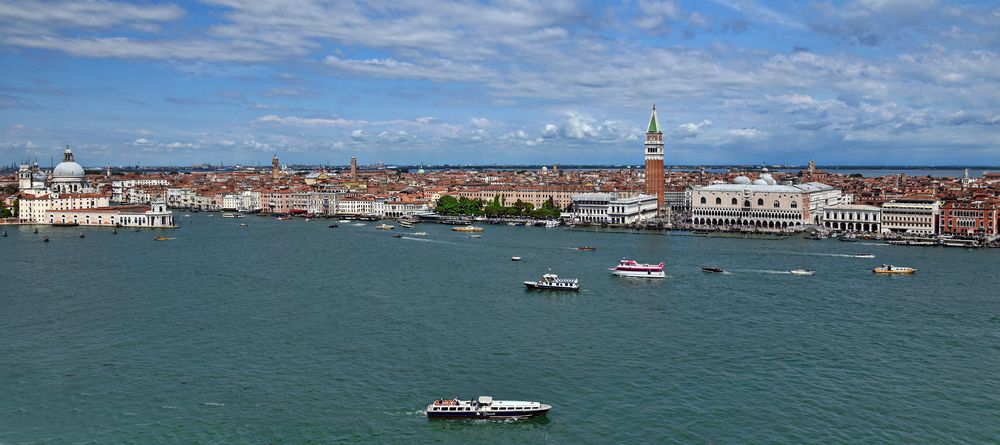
(468, 408)
(760, 202)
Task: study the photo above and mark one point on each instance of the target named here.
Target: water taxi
(631, 268)
(890, 269)
(162, 238)
(802, 272)
(420, 233)
(864, 255)
(243, 224)
(485, 407)
(712, 269)
(384, 227)
(586, 248)
(358, 224)
(345, 221)
(406, 224)
(228, 215)
(398, 235)
(467, 229)
(515, 258)
(551, 281)
(332, 226)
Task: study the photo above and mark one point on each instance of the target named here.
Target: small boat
(4, 233)
(36, 229)
(359, 224)
(162, 238)
(848, 238)
(243, 224)
(384, 227)
(586, 248)
(345, 221)
(114, 232)
(333, 226)
(398, 235)
(420, 233)
(802, 272)
(863, 255)
(228, 215)
(475, 236)
(467, 229)
(551, 281)
(896, 270)
(712, 269)
(406, 224)
(631, 268)
(83, 235)
(484, 408)
(46, 239)
(187, 215)
(515, 258)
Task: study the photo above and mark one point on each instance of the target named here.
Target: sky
(891, 82)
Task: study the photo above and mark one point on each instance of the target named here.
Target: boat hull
(486, 415)
(639, 273)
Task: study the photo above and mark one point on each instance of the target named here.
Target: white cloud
(692, 130)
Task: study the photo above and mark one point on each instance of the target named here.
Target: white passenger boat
(551, 281)
(889, 269)
(485, 407)
(802, 272)
(631, 268)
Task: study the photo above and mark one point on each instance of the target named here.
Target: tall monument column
(655, 185)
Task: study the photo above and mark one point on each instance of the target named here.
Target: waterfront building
(155, 215)
(125, 189)
(561, 197)
(761, 203)
(970, 218)
(68, 176)
(655, 181)
(35, 208)
(914, 215)
(31, 180)
(610, 208)
(180, 197)
(853, 218)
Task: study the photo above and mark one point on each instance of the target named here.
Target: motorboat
(162, 238)
(515, 258)
(384, 227)
(243, 224)
(46, 239)
(333, 226)
(398, 235)
(802, 272)
(83, 235)
(864, 255)
(894, 270)
(419, 233)
(848, 238)
(712, 269)
(551, 281)
(358, 224)
(484, 407)
(631, 268)
(229, 215)
(475, 236)
(406, 224)
(586, 248)
(467, 229)
(345, 221)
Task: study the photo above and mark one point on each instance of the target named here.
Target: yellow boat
(162, 238)
(467, 229)
(895, 270)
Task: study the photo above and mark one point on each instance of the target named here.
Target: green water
(292, 332)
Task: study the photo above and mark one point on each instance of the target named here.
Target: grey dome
(68, 170)
(741, 180)
(759, 182)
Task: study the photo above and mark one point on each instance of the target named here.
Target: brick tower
(654, 161)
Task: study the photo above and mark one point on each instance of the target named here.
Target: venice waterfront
(292, 332)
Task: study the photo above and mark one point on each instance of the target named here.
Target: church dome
(741, 180)
(759, 182)
(68, 168)
(767, 177)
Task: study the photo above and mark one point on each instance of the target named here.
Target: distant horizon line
(206, 166)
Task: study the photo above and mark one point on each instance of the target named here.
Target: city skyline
(850, 83)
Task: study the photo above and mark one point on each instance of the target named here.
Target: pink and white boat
(630, 268)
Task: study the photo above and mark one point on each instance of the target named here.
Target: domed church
(68, 176)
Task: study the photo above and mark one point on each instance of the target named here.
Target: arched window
(776, 205)
(795, 205)
(760, 202)
(746, 203)
(703, 200)
(718, 201)
(734, 201)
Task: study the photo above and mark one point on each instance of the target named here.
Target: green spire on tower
(654, 123)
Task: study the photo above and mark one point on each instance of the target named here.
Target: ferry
(467, 229)
(802, 272)
(551, 281)
(890, 269)
(631, 268)
(384, 227)
(484, 408)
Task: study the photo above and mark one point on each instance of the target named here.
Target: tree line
(450, 206)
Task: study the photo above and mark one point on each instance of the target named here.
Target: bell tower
(655, 181)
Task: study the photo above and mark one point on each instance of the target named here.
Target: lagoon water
(292, 332)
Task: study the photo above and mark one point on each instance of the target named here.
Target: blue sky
(234, 81)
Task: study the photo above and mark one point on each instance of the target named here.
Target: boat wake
(213, 404)
(425, 240)
(776, 272)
